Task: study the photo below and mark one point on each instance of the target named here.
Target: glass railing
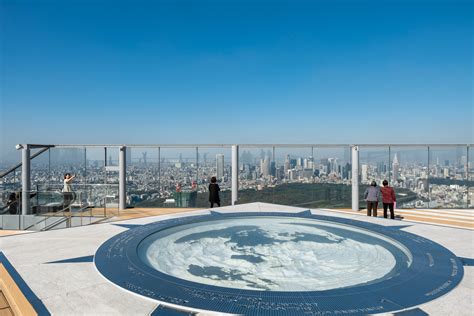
(50, 208)
(176, 176)
(310, 176)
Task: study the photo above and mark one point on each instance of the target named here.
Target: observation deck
(123, 188)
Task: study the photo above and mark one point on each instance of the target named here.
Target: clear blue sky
(236, 72)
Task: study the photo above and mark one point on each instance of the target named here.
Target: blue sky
(236, 72)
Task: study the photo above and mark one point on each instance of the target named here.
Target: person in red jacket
(388, 198)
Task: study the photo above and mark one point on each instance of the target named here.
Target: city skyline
(444, 179)
(235, 72)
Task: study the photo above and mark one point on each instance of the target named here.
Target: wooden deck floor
(5, 309)
(461, 218)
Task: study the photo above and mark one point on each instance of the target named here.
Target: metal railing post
(122, 178)
(355, 178)
(235, 173)
(25, 180)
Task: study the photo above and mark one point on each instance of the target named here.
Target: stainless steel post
(122, 178)
(355, 178)
(25, 180)
(235, 173)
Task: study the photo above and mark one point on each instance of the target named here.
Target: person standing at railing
(67, 189)
(12, 204)
(388, 199)
(67, 182)
(214, 192)
(371, 195)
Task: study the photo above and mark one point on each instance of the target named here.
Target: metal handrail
(65, 214)
(249, 145)
(55, 214)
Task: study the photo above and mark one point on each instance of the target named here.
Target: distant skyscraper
(346, 171)
(265, 166)
(364, 173)
(381, 168)
(287, 164)
(220, 166)
(325, 163)
(446, 172)
(332, 165)
(299, 161)
(395, 169)
(144, 157)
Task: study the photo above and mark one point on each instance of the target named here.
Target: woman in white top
(67, 182)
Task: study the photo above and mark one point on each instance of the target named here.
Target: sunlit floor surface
(58, 265)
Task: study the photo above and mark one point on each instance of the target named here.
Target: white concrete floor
(78, 289)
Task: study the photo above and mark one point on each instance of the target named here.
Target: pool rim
(206, 292)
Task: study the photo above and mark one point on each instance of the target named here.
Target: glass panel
(332, 187)
(448, 177)
(9, 159)
(40, 170)
(470, 170)
(409, 176)
(59, 162)
(256, 182)
(162, 177)
(111, 165)
(143, 177)
(292, 176)
(214, 162)
(9, 202)
(95, 166)
(374, 165)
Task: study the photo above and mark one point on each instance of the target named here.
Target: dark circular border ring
(434, 271)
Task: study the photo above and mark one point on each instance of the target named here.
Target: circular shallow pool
(274, 254)
(278, 263)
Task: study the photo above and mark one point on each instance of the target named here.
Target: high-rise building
(332, 165)
(346, 171)
(381, 168)
(364, 172)
(220, 166)
(287, 164)
(265, 167)
(395, 169)
(446, 172)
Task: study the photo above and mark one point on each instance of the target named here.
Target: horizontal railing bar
(248, 145)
